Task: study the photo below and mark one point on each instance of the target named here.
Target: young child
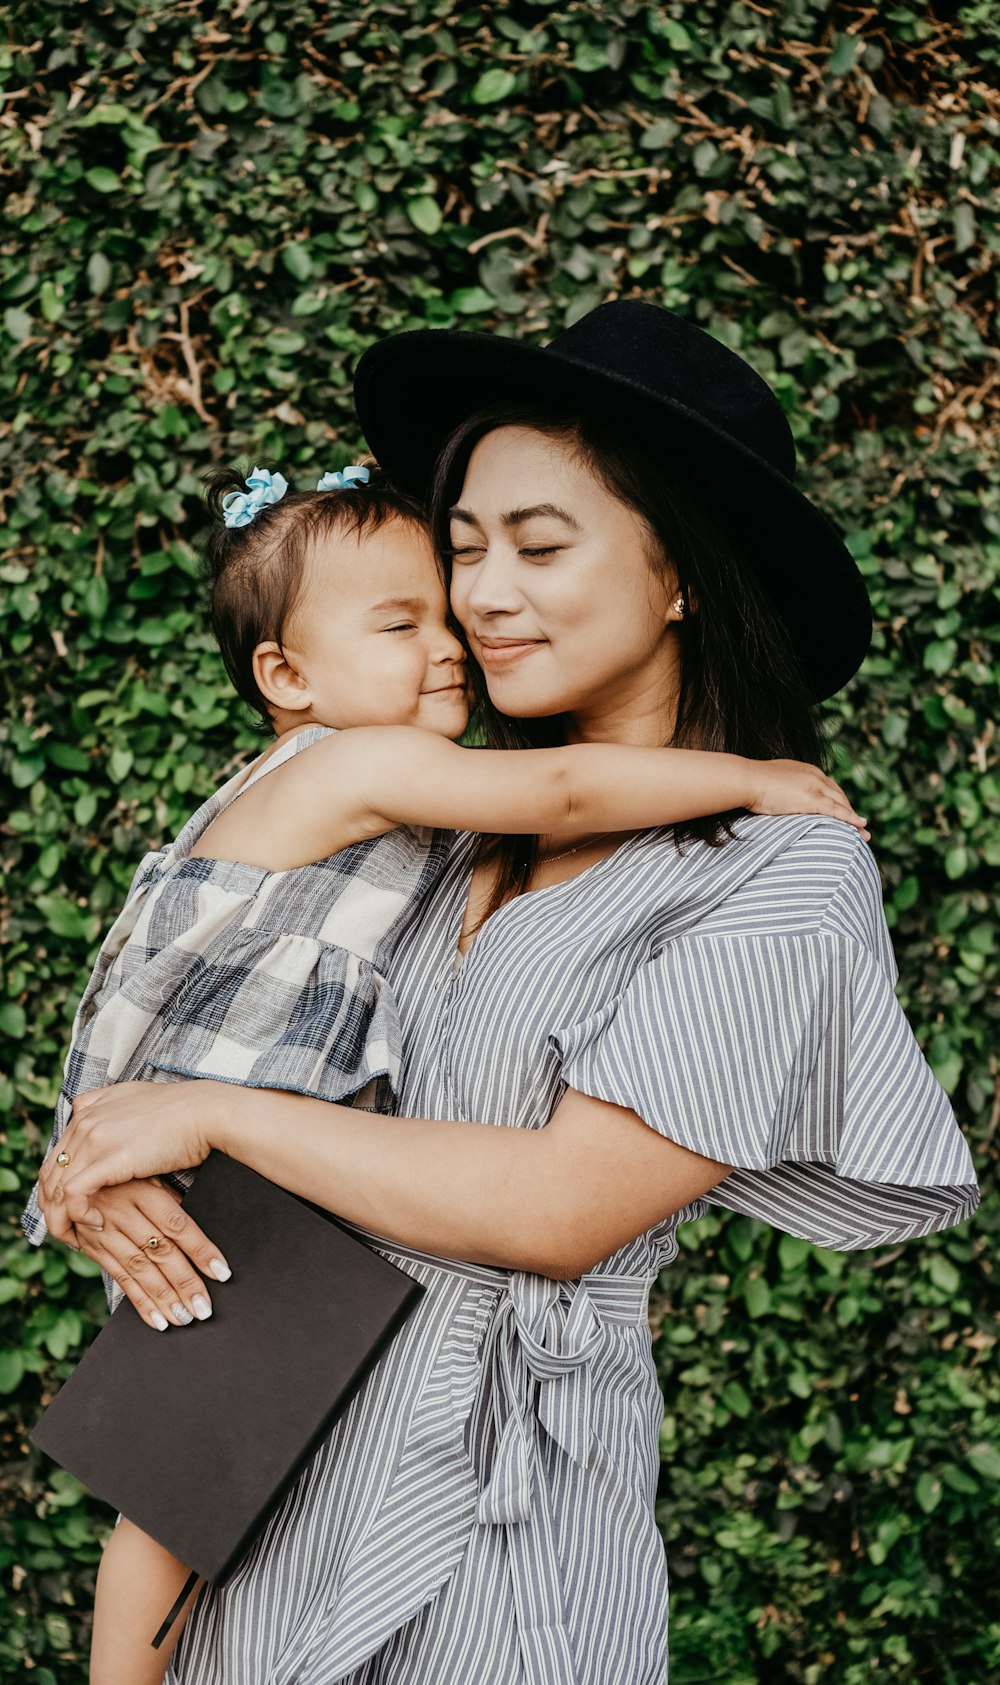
(251, 949)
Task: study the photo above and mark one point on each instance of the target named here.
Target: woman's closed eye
(404, 626)
(471, 550)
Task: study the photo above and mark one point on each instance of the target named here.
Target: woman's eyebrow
(515, 517)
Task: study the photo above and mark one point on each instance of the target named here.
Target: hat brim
(412, 390)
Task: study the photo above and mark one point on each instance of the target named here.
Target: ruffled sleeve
(789, 1057)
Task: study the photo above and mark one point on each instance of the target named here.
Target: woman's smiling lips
(500, 652)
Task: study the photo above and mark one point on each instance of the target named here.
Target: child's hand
(797, 787)
(163, 1285)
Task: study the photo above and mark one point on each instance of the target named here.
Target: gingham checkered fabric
(268, 979)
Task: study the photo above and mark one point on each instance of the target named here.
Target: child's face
(370, 636)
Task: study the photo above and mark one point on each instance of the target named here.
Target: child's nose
(450, 648)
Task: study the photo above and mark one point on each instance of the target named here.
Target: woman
(712, 1023)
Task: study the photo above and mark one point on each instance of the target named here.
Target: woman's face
(552, 583)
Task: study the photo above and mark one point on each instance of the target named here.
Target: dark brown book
(196, 1433)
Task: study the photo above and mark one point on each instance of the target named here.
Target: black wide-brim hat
(689, 400)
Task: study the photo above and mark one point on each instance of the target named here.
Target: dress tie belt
(537, 1357)
(545, 1332)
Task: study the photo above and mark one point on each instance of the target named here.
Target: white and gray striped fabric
(483, 1512)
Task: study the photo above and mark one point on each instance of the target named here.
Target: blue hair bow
(263, 487)
(344, 479)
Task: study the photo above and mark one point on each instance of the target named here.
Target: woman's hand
(797, 787)
(163, 1284)
(121, 1134)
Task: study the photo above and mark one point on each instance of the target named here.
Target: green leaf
(792, 1251)
(96, 597)
(115, 115)
(68, 757)
(846, 50)
(985, 1459)
(675, 33)
(17, 325)
(424, 213)
(494, 85)
(11, 1370)
(98, 273)
(102, 180)
(928, 1493)
(940, 655)
(285, 342)
(63, 917)
(472, 301)
(964, 225)
(944, 1274)
(297, 261)
(56, 1340)
(736, 1398)
(660, 135)
(13, 1019)
(757, 1296)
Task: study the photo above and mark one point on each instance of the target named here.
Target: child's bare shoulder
(302, 809)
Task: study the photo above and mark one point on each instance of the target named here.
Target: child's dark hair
(255, 571)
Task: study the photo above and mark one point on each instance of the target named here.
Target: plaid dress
(218, 969)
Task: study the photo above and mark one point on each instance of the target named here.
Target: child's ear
(278, 681)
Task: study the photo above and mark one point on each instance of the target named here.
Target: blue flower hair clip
(263, 487)
(344, 479)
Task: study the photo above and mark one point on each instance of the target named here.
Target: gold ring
(152, 1243)
(62, 1158)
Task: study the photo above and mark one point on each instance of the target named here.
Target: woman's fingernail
(202, 1308)
(182, 1313)
(159, 1321)
(221, 1271)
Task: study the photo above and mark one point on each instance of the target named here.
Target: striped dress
(483, 1512)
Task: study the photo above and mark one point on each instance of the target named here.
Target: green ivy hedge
(209, 212)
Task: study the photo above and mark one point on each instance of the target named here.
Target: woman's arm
(554, 1200)
(369, 779)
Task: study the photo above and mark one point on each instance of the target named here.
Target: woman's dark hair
(742, 688)
(256, 571)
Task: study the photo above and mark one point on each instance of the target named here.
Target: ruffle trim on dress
(789, 1058)
(288, 1012)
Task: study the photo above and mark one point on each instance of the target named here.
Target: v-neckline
(466, 867)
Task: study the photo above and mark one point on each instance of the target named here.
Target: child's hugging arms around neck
(330, 609)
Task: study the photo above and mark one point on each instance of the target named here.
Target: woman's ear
(278, 681)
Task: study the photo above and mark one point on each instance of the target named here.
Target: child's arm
(137, 1582)
(369, 779)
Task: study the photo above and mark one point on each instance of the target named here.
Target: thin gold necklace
(588, 842)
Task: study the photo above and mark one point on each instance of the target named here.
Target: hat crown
(671, 358)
